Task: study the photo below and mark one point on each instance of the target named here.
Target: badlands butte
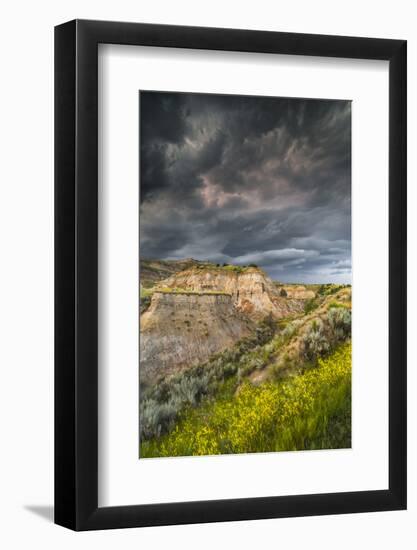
(192, 310)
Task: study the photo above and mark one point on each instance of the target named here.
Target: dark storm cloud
(247, 180)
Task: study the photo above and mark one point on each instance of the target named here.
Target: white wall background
(26, 272)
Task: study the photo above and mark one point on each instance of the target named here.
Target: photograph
(208, 331)
(245, 274)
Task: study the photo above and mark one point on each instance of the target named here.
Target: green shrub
(289, 331)
(340, 321)
(314, 341)
(145, 302)
(157, 418)
(283, 293)
(334, 304)
(229, 370)
(329, 289)
(160, 407)
(310, 305)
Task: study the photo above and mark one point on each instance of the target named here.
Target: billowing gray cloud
(243, 180)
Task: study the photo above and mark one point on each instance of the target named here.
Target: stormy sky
(239, 179)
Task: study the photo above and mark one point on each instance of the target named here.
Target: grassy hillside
(287, 387)
(309, 411)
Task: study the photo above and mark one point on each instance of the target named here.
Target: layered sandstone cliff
(181, 329)
(204, 310)
(252, 291)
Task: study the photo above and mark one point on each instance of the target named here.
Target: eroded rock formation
(182, 329)
(204, 310)
(252, 292)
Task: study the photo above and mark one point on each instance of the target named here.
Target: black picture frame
(76, 272)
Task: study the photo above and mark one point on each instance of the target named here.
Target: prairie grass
(309, 411)
(311, 305)
(161, 405)
(146, 292)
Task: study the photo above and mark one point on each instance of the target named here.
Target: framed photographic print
(230, 275)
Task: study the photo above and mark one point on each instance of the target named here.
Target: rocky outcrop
(154, 271)
(205, 309)
(181, 329)
(298, 292)
(252, 292)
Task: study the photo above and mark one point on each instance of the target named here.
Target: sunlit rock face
(204, 310)
(252, 292)
(180, 330)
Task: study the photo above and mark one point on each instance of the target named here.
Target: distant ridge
(153, 270)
